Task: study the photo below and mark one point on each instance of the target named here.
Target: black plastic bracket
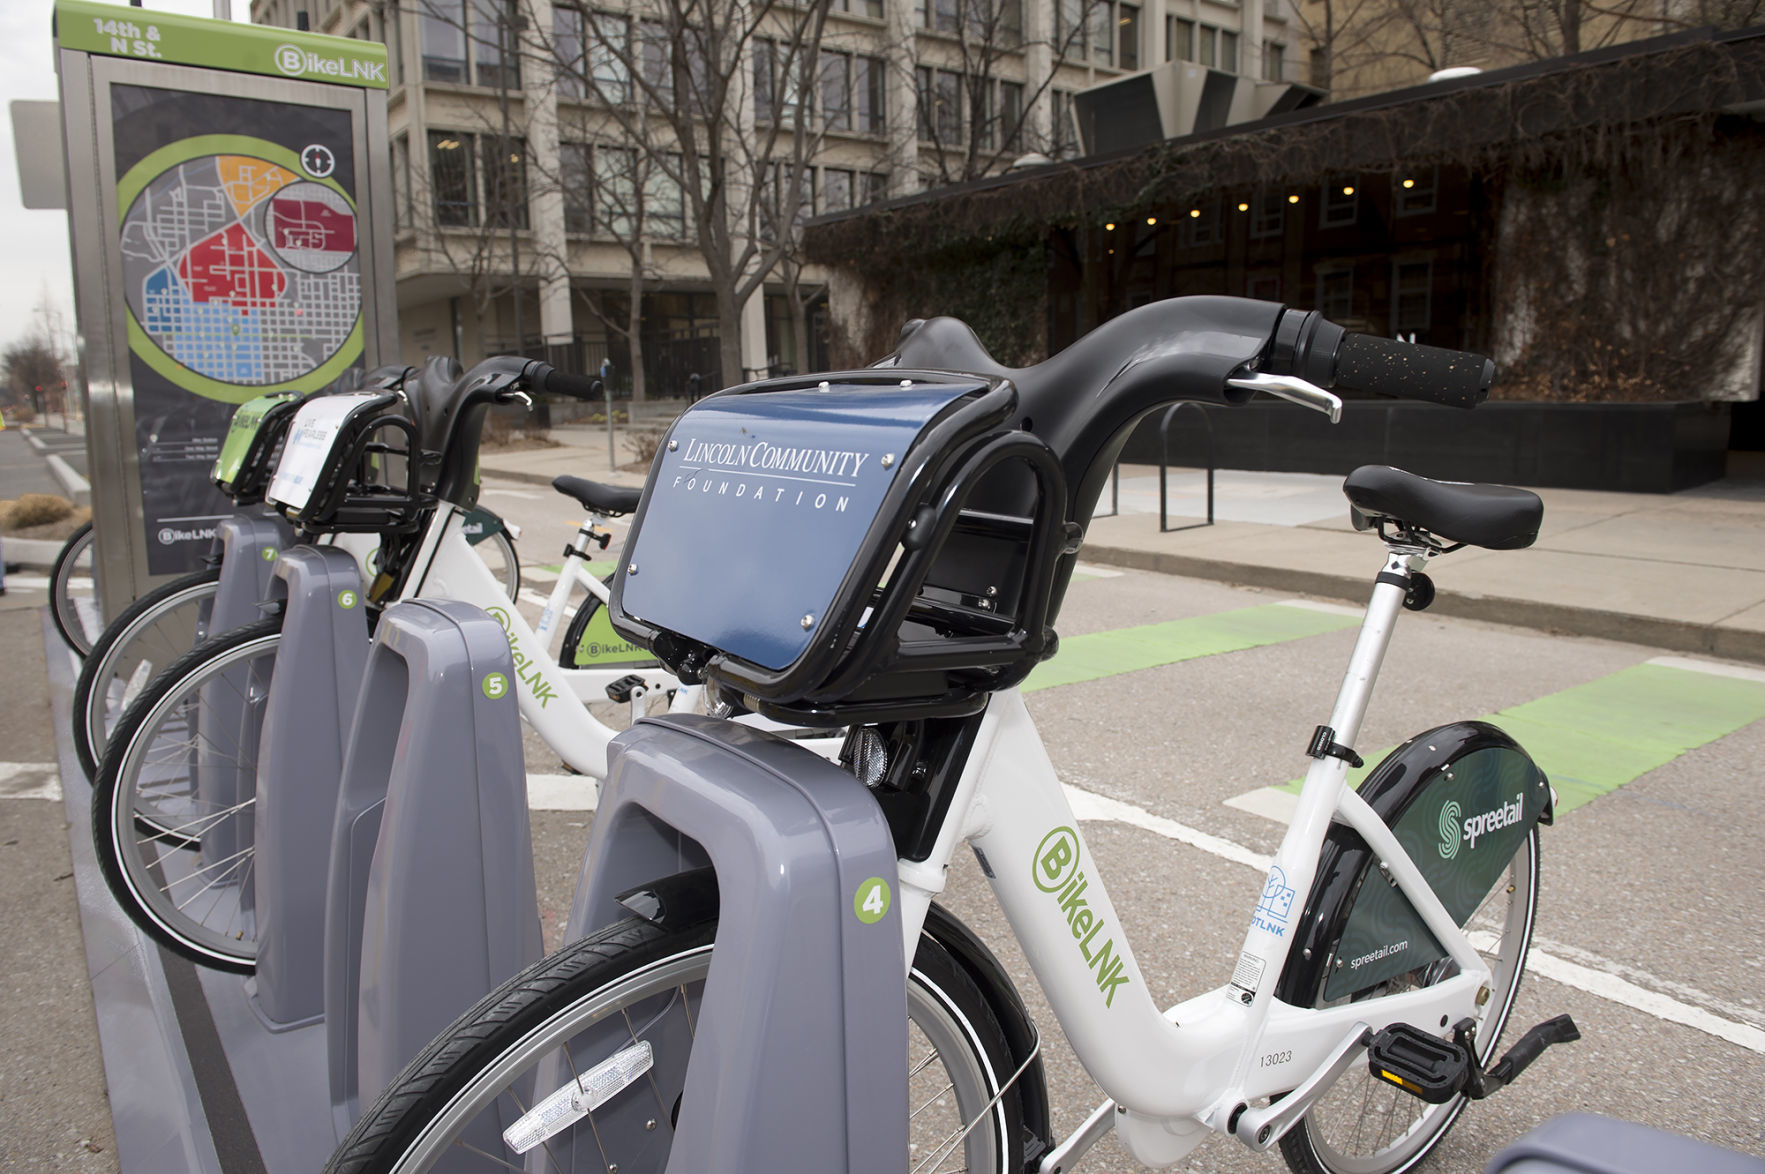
(1325, 745)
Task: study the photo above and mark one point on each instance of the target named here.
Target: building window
(505, 181)
(1011, 114)
(453, 179)
(567, 47)
(1267, 211)
(609, 55)
(442, 24)
(1100, 33)
(1412, 283)
(576, 178)
(1336, 293)
(664, 204)
(940, 105)
(493, 30)
(1339, 204)
(1320, 68)
(1179, 39)
(1201, 227)
(765, 71)
(1273, 54)
(1066, 131)
(836, 189)
(1127, 27)
(1264, 287)
(836, 90)
(871, 8)
(393, 34)
(655, 63)
(615, 186)
(868, 91)
(1416, 192)
(873, 186)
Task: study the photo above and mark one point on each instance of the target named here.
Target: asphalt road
(1648, 931)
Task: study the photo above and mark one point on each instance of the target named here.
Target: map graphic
(242, 270)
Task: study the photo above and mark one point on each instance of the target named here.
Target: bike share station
(229, 200)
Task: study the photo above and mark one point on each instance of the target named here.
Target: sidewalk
(1683, 571)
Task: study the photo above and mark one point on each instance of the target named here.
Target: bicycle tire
(422, 1116)
(62, 608)
(101, 693)
(1321, 1143)
(510, 571)
(166, 851)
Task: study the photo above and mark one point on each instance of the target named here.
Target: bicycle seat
(608, 500)
(1491, 516)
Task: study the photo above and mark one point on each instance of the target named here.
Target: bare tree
(976, 117)
(1346, 36)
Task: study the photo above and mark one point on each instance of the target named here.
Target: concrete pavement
(1682, 571)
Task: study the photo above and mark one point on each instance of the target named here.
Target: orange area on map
(249, 180)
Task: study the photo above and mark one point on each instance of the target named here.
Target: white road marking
(28, 582)
(542, 574)
(1329, 609)
(533, 597)
(31, 439)
(1268, 802)
(1714, 668)
(511, 492)
(1097, 572)
(1092, 807)
(562, 792)
(29, 780)
(70, 480)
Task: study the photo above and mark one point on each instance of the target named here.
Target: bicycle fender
(1461, 799)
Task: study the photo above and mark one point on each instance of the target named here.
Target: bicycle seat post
(1390, 588)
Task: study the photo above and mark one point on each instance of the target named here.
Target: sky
(33, 245)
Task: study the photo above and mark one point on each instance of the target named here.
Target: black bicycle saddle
(1492, 516)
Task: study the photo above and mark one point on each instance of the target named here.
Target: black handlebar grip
(552, 381)
(1403, 370)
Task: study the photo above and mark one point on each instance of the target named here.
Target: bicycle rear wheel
(1363, 1125)
(635, 983)
(497, 550)
(73, 604)
(150, 634)
(173, 803)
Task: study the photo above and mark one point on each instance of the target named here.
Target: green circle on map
(241, 272)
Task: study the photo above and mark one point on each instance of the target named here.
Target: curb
(32, 552)
(1675, 635)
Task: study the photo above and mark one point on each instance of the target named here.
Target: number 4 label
(871, 903)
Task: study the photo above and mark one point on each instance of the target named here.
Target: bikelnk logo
(290, 60)
(1449, 830)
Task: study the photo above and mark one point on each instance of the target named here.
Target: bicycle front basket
(813, 543)
(331, 477)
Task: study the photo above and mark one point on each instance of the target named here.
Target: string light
(1409, 183)
(1243, 207)
(1110, 227)
(1151, 221)
(1348, 190)
(1195, 213)
(1293, 199)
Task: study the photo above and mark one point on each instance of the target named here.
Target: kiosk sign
(226, 253)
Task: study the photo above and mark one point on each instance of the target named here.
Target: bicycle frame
(551, 697)
(1177, 1075)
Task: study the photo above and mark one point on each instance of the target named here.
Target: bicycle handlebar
(546, 378)
(1309, 346)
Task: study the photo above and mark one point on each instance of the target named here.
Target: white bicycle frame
(551, 697)
(1177, 1076)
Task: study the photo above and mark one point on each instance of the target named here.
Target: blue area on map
(210, 338)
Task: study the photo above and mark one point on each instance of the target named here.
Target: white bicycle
(1380, 961)
(148, 819)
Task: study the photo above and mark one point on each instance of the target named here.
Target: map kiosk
(231, 217)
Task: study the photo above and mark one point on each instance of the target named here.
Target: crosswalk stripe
(1125, 650)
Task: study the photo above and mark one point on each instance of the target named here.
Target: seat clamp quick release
(1325, 745)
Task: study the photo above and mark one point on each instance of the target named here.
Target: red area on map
(297, 224)
(229, 267)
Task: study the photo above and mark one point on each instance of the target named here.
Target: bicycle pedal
(620, 690)
(1423, 1065)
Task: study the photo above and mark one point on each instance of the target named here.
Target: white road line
(562, 792)
(1268, 802)
(1714, 668)
(29, 780)
(1096, 572)
(1329, 609)
(70, 480)
(533, 597)
(28, 582)
(510, 492)
(1092, 807)
(31, 439)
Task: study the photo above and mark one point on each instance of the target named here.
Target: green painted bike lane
(1593, 738)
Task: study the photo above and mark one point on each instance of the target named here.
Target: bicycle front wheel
(150, 634)
(73, 604)
(1364, 1125)
(635, 983)
(497, 551)
(173, 804)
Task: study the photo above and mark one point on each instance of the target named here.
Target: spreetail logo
(1057, 871)
(1453, 832)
